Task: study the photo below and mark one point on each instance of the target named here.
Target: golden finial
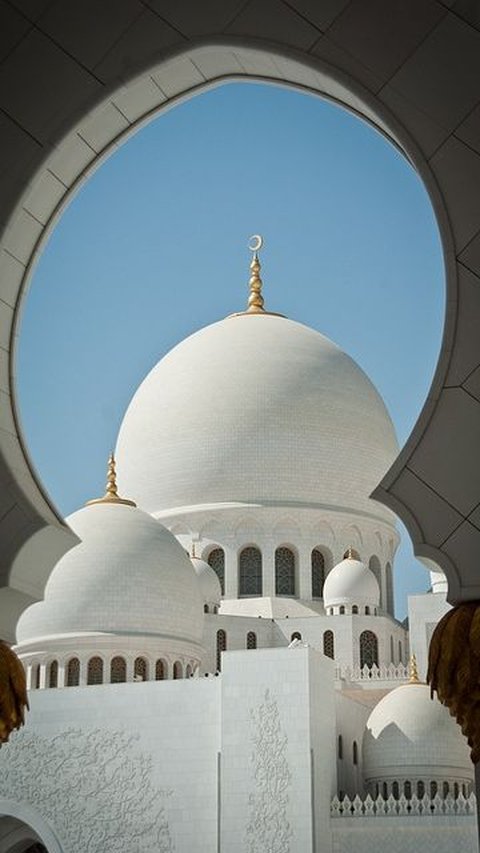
(193, 551)
(111, 495)
(255, 300)
(414, 679)
(350, 553)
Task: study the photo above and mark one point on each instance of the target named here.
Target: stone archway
(74, 84)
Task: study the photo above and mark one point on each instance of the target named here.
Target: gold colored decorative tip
(194, 556)
(413, 679)
(350, 553)
(111, 495)
(255, 300)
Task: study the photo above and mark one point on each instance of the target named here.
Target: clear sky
(154, 246)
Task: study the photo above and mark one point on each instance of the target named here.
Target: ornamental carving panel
(269, 829)
(93, 788)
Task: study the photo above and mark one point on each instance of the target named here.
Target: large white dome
(256, 409)
(411, 736)
(128, 575)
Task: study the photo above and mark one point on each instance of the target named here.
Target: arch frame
(33, 820)
(321, 78)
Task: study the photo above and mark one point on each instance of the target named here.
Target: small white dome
(351, 582)
(210, 587)
(411, 736)
(128, 575)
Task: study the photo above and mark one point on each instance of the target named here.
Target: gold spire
(194, 556)
(255, 300)
(111, 495)
(414, 679)
(350, 553)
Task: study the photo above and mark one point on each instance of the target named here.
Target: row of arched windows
(250, 571)
(420, 788)
(117, 671)
(368, 646)
(355, 610)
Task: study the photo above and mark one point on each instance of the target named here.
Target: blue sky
(153, 247)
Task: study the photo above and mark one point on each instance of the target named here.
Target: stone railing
(392, 672)
(424, 807)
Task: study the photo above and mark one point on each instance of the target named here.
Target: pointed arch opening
(216, 559)
(250, 580)
(368, 649)
(284, 571)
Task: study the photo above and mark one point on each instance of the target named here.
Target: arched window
(392, 653)
(376, 569)
(329, 644)
(250, 571)
(216, 559)
(318, 573)
(284, 571)
(95, 671)
(400, 651)
(446, 789)
(420, 789)
(340, 746)
(389, 589)
(355, 752)
(251, 640)
(295, 636)
(433, 790)
(407, 790)
(395, 791)
(455, 790)
(341, 610)
(73, 672)
(53, 674)
(118, 670)
(140, 669)
(354, 609)
(367, 611)
(385, 791)
(368, 649)
(35, 677)
(188, 671)
(221, 647)
(177, 670)
(160, 670)
(351, 554)
(205, 608)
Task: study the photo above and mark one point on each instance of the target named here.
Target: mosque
(216, 667)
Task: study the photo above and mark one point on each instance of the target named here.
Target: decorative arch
(389, 594)
(368, 649)
(177, 670)
(73, 673)
(285, 562)
(317, 567)
(118, 670)
(329, 644)
(295, 636)
(250, 573)
(140, 669)
(216, 559)
(52, 674)
(160, 670)
(221, 647)
(95, 670)
(295, 67)
(251, 640)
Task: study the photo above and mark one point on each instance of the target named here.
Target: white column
(231, 572)
(304, 572)
(268, 567)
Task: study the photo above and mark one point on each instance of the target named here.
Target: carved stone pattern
(93, 788)
(269, 830)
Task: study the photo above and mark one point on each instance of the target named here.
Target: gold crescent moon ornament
(255, 243)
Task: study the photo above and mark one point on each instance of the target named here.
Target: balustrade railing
(392, 672)
(402, 807)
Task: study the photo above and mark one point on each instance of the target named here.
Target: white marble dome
(349, 583)
(411, 736)
(129, 575)
(256, 409)
(210, 588)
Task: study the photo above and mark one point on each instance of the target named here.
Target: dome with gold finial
(282, 417)
(351, 584)
(129, 576)
(412, 745)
